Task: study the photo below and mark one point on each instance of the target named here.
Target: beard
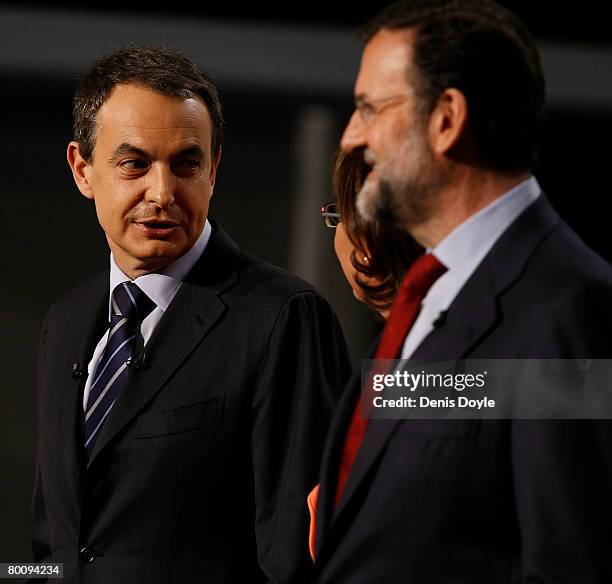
(407, 185)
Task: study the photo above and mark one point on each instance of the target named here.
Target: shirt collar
(462, 250)
(467, 244)
(162, 286)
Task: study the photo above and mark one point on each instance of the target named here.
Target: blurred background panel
(286, 80)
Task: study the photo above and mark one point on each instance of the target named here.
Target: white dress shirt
(161, 287)
(462, 250)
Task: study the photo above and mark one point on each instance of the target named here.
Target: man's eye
(134, 164)
(187, 164)
(365, 108)
(191, 163)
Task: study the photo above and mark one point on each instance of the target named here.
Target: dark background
(283, 122)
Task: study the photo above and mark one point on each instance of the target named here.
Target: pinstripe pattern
(130, 306)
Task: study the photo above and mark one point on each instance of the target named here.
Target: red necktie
(419, 279)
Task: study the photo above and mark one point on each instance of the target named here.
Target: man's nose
(353, 136)
(162, 186)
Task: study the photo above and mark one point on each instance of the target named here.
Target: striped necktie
(129, 307)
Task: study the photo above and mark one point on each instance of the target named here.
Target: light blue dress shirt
(462, 251)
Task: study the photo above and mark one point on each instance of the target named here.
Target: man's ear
(80, 169)
(448, 121)
(214, 164)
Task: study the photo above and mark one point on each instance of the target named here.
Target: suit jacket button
(87, 555)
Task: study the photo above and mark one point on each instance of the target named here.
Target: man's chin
(161, 255)
(374, 202)
(367, 201)
(145, 257)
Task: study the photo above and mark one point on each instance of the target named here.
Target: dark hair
(158, 68)
(390, 251)
(483, 50)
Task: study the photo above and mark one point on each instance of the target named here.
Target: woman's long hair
(390, 251)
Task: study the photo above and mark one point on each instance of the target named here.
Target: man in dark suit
(449, 100)
(177, 443)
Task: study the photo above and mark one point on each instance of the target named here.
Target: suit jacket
(489, 501)
(201, 468)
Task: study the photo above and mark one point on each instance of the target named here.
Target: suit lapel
(473, 313)
(451, 340)
(90, 318)
(192, 313)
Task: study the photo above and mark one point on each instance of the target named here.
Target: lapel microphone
(77, 373)
(139, 363)
(441, 319)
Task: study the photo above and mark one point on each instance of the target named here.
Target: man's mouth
(157, 227)
(370, 165)
(371, 172)
(159, 224)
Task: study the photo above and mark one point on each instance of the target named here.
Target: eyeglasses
(330, 214)
(369, 109)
